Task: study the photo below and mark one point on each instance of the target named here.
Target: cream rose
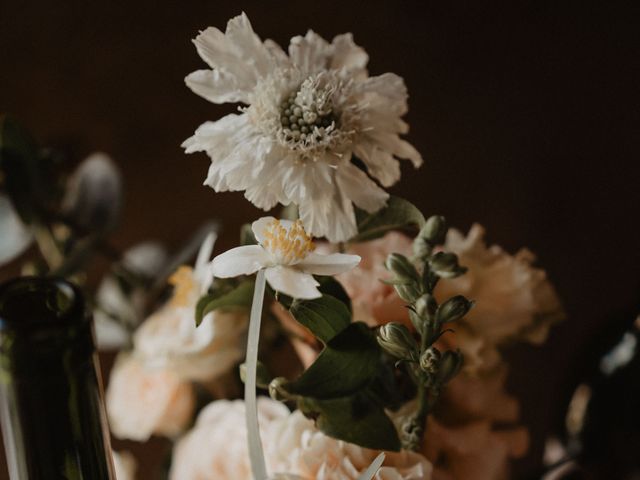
(217, 448)
(142, 401)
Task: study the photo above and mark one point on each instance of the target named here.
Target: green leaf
(28, 177)
(246, 235)
(239, 297)
(356, 419)
(325, 316)
(398, 213)
(330, 286)
(347, 364)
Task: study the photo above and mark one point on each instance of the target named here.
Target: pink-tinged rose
(514, 301)
(373, 301)
(142, 401)
(217, 448)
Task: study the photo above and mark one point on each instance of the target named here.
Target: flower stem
(256, 454)
(373, 468)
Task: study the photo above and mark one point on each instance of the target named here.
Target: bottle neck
(51, 405)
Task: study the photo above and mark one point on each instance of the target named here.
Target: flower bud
(402, 268)
(449, 365)
(277, 389)
(429, 360)
(408, 293)
(421, 247)
(434, 230)
(396, 340)
(263, 377)
(453, 309)
(445, 265)
(426, 306)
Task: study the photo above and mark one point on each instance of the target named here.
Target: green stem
(256, 454)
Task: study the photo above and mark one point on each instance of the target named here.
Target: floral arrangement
(368, 337)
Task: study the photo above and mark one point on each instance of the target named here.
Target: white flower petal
(216, 86)
(243, 260)
(359, 188)
(259, 226)
(348, 55)
(380, 164)
(310, 53)
(238, 54)
(293, 283)
(332, 264)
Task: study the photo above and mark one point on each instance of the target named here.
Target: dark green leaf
(356, 419)
(246, 235)
(330, 286)
(398, 213)
(238, 297)
(347, 364)
(325, 316)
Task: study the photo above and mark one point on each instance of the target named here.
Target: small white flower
(309, 112)
(285, 251)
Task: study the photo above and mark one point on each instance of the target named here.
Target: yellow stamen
(290, 245)
(183, 286)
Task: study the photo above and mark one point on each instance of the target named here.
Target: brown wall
(526, 114)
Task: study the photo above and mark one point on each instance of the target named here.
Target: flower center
(307, 116)
(287, 246)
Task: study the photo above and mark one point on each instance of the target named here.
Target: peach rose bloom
(142, 401)
(373, 301)
(125, 465)
(514, 301)
(169, 338)
(217, 448)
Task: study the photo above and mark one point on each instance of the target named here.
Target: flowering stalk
(415, 280)
(256, 454)
(373, 468)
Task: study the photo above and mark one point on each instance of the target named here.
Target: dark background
(526, 114)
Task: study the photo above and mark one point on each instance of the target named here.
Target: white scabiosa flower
(286, 253)
(308, 114)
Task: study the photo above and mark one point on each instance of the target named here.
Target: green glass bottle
(51, 400)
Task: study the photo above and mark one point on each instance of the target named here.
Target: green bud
(409, 293)
(422, 247)
(445, 265)
(429, 360)
(396, 340)
(453, 309)
(449, 366)
(434, 230)
(263, 377)
(426, 306)
(277, 389)
(402, 268)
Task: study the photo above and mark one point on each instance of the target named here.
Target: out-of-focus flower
(374, 301)
(514, 301)
(15, 236)
(308, 113)
(120, 306)
(143, 401)
(93, 199)
(125, 465)
(286, 252)
(472, 451)
(217, 448)
(170, 339)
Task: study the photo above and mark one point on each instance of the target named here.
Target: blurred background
(527, 116)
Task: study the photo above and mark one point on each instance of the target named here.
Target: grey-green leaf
(239, 297)
(347, 364)
(325, 316)
(398, 213)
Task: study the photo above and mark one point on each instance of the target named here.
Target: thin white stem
(369, 473)
(256, 454)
